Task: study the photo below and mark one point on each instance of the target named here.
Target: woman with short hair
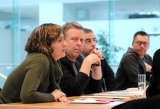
(37, 78)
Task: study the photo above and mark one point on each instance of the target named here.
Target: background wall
(110, 18)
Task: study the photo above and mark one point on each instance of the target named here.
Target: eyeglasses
(140, 43)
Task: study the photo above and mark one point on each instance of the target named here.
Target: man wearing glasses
(135, 61)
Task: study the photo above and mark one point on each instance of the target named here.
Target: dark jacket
(108, 76)
(108, 80)
(32, 81)
(75, 85)
(130, 66)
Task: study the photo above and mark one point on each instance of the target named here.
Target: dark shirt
(108, 76)
(75, 85)
(108, 81)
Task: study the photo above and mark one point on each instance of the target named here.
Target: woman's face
(58, 47)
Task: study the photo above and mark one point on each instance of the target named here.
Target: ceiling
(29, 9)
(119, 9)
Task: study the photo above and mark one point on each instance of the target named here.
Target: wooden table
(54, 105)
(59, 105)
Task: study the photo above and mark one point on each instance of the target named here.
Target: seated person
(77, 78)
(153, 91)
(37, 78)
(154, 87)
(89, 47)
(135, 61)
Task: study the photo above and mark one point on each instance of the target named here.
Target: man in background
(77, 78)
(135, 61)
(88, 48)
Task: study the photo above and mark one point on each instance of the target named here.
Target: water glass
(141, 82)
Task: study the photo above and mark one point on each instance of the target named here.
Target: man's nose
(142, 45)
(93, 43)
(79, 42)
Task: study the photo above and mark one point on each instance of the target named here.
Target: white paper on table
(124, 92)
(89, 101)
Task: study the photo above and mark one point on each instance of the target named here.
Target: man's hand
(98, 53)
(148, 67)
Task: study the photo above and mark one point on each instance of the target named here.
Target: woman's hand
(63, 99)
(59, 96)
